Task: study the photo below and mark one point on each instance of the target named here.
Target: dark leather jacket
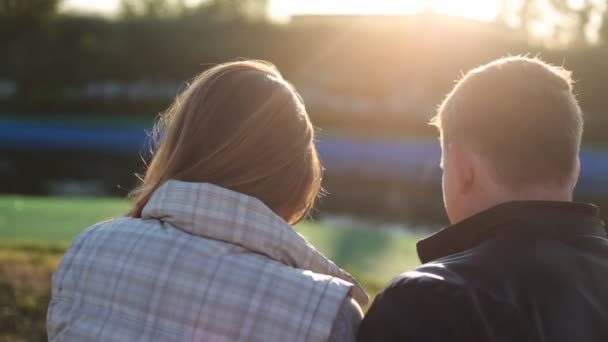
(522, 271)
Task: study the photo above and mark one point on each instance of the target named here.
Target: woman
(208, 253)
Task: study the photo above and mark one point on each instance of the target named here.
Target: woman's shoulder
(105, 232)
(109, 227)
(297, 277)
(347, 321)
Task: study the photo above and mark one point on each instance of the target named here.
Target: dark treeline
(373, 75)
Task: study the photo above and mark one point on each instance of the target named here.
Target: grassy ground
(52, 220)
(34, 233)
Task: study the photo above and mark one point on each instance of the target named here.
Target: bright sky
(484, 10)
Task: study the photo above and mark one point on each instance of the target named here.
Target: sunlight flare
(484, 10)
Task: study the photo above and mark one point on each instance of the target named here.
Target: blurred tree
(236, 10)
(566, 21)
(212, 10)
(604, 27)
(27, 8)
(21, 16)
(152, 8)
(581, 16)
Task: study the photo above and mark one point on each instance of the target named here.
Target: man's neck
(529, 195)
(539, 194)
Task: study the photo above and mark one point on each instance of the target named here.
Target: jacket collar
(544, 218)
(213, 212)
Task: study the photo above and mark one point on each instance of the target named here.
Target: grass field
(34, 233)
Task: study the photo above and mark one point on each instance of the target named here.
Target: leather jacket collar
(545, 218)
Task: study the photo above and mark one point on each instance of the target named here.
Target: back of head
(520, 115)
(240, 126)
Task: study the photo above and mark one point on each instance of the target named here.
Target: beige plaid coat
(202, 264)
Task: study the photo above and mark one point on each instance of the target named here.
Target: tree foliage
(151, 8)
(604, 27)
(567, 23)
(217, 10)
(38, 9)
(19, 17)
(232, 10)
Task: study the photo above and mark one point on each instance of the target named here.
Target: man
(521, 261)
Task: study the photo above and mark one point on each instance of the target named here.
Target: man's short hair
(520, 115)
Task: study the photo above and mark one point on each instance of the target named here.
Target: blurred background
(82, 81)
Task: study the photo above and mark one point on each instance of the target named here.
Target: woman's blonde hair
(240, 126)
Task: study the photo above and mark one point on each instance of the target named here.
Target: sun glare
(106, 7)
(281, 10)
(484, 10)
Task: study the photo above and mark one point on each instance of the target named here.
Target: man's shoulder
(427, 280)
(480, 272)
(454, 291)
(488, 270)
(410, 306)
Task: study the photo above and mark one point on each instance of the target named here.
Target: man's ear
(463, 166)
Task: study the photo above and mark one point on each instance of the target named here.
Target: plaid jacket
(202, 264)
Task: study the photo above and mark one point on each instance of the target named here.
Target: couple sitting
(208, 252)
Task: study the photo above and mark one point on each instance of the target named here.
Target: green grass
(52, 220)
(34, 232)
(38, 221)
(373, 256)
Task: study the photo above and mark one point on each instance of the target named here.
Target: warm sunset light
(484, 10)
(274, 170)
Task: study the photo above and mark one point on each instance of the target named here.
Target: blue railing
(409, 160)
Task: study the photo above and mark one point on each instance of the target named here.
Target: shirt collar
(213, 212)
(530, 217)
